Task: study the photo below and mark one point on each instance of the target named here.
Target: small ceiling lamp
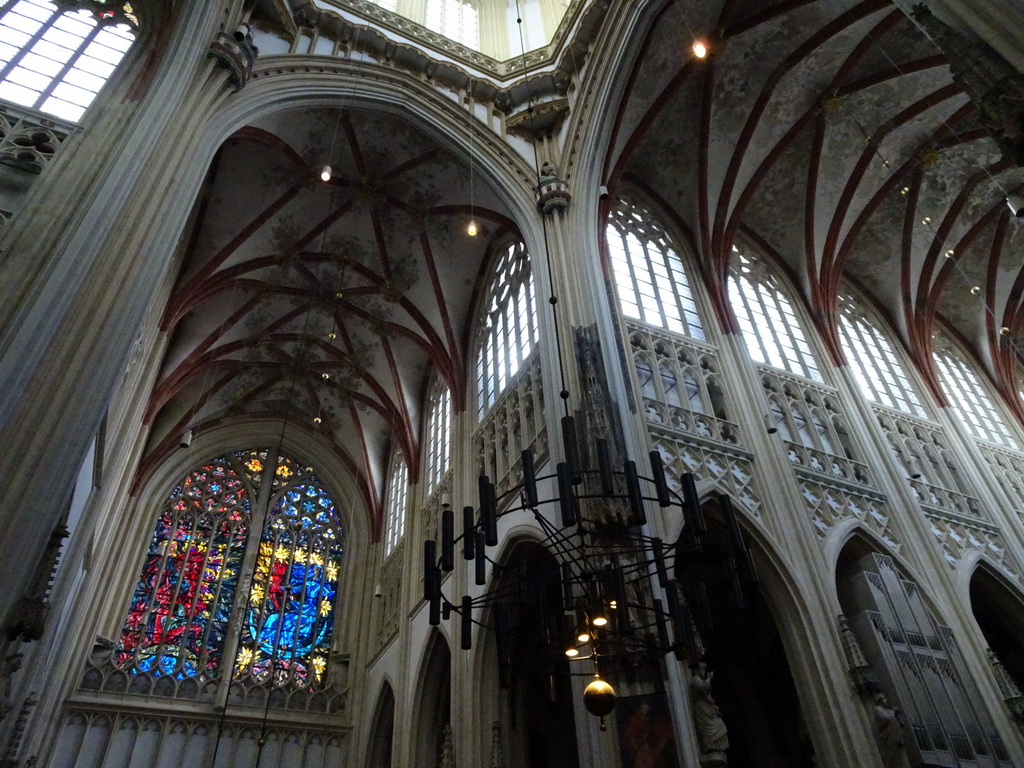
(583, 636)
(700, 49)
(572, 652)
(599, 621)
(325, 174)
(471, 228)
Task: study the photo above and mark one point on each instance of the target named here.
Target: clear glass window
(771, 331)
(508, 329)
(873, 360)
(649, 274)
(455, 19)
(56, 59)
(968, 397)
(397, 503)
(439, 425)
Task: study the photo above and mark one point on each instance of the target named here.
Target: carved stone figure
(888, 728)
(712, 734)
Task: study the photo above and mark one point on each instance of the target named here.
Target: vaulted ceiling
(827, 133)
(831, 135)
(327, 304)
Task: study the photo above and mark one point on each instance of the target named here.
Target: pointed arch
(382, 729)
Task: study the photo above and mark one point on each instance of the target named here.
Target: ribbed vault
(831, 135)
(325, 305)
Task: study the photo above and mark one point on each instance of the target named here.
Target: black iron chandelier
(613, 596)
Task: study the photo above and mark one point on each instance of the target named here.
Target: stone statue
(888, 727)
(712, 735)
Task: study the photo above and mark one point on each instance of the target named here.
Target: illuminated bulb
(905, 190)
(700, 49)
(950, 253)
(332, 335)
(325, 174)
(976, 290)
(325, 376)
(600, 621)
(1004, 331)
(571, 652)
(613, 604)
(583, 637)
(885, 163)
(926, 220)
(471, 229)
(317, 419)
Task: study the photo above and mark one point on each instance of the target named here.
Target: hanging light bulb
(700, 49)
(572, 652)
(325, 174)
(472, 229)
(599, 621)
(583, 636)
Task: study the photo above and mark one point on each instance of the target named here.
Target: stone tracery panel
(921, 448)
(829, 504)
(514, 423)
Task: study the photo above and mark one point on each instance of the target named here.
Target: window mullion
(58, 79)
(26, 49)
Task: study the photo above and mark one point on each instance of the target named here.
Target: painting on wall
(646, 736)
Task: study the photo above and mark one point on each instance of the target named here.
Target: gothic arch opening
(999, 611)
(908, 666)
(537, 694)
(382, 730)
(752, 683)
(433, 702)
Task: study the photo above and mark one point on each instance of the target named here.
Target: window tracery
(438, 437)
(397, 504)
(455, 19)
(769, 324)
(508, 329)
(56, 59)
(968, 396)
(177, 623)
(652, 283)
(873, 361)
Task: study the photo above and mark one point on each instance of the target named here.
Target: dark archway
(999, 611)
(539, 693)
(753, 681)
(433, 702)
(382, 730)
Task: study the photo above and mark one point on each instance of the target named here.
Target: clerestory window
(241, 518)
(652, 284)
(438, 436)
(397, 502)
(968, 397)
(507, 331)
(455, 19)
(771, 331)
(56, 58)
(873, 360)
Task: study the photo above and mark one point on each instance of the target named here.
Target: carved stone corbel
(236, 54)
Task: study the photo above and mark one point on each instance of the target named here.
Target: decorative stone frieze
(28, 141)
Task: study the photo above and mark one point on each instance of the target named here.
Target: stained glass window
(649, 275)
(289, 617)
(508, 330)
(178, 618)
(771, 331)
(57, 59)
(179, 612)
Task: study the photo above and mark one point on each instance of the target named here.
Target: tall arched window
(968, 396)
(652, 284)
(873, 360)
(397, 503)
(455, 19)
(177, 621)
(508, 329)
(769, 324)
(56, 59)
(438, 436)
